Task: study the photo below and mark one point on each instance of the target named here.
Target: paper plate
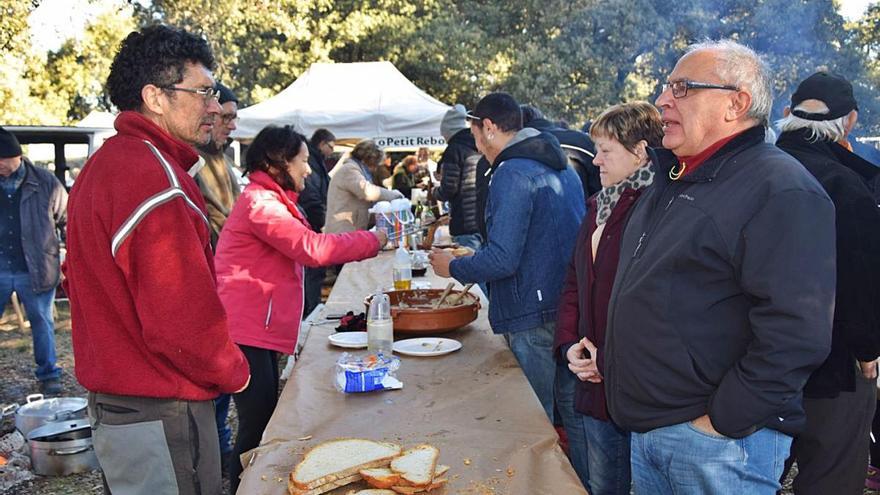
(426, 346)
(349, 340)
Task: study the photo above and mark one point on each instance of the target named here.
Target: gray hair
(820, 130)
(742, 67)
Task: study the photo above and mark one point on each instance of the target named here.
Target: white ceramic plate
(349, 340)
(426, 346)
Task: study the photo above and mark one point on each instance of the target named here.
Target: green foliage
(78, 70)
(570, 58)
(58, 87)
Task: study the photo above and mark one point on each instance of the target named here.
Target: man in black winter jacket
(458, 179)
(722, 303)
(313, 201)
(840, 396)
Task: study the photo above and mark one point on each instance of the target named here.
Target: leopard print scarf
(607, 198)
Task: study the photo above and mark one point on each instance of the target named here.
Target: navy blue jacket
(533, 214)
(43, 219)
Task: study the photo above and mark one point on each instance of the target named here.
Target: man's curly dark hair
(155, 55)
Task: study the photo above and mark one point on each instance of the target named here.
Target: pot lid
(52, 407)
(56, 428)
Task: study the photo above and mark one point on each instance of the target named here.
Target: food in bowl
(417, 315)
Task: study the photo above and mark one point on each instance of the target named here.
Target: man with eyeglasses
(723, 300)
(218, 183)
(217, 179)
(150, 335)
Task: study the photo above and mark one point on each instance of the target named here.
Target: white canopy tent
(97, 118)
(366, 100)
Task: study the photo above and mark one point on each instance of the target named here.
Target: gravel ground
(16, 363)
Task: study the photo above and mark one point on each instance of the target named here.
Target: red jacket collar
(135, 124)
(289, 198)
(692, 162)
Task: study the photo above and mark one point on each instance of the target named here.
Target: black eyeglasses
(207, 93)
(229, 117)
(680, 88)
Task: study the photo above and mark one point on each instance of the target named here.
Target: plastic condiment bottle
(402, 270)
(380, 327)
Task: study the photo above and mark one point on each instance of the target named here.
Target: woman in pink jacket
(261, 253)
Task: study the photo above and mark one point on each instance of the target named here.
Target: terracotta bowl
(428, 320)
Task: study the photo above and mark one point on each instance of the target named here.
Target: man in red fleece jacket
(150, 335)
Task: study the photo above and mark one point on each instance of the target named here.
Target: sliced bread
(337, 459)
(440, 470)
(323, 488)
(417, 465)
(380, 477)
(410, 490)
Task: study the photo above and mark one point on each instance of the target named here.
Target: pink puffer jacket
(260, 257)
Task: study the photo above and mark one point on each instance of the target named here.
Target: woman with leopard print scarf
(599, 450)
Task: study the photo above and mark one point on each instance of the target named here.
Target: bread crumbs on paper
(510, 472)
(467, 461)
(305, 438)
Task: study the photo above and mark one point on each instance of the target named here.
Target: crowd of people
(694, 302)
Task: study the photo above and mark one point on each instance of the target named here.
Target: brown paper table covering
(475, 405)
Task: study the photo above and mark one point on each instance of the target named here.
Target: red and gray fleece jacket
(147, 320)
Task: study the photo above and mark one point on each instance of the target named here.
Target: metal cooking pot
(62, 448)
(39, 411)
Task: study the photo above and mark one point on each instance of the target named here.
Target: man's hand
(382, 237)
(242, 389)
(869, 369)
(584, 367)
(704, 424)
(440, 260)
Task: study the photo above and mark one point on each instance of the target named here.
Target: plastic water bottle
(402, 270)
(380, 326)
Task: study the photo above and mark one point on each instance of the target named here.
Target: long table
(475, 405)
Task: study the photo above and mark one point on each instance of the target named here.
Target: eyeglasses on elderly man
(680, 87)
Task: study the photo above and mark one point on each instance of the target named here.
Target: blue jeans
(683, 460)
(38, 307)
(221, 411)
(599, 450)
(566, 383)
(533, 349)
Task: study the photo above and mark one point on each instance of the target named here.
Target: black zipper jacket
(724, 294)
